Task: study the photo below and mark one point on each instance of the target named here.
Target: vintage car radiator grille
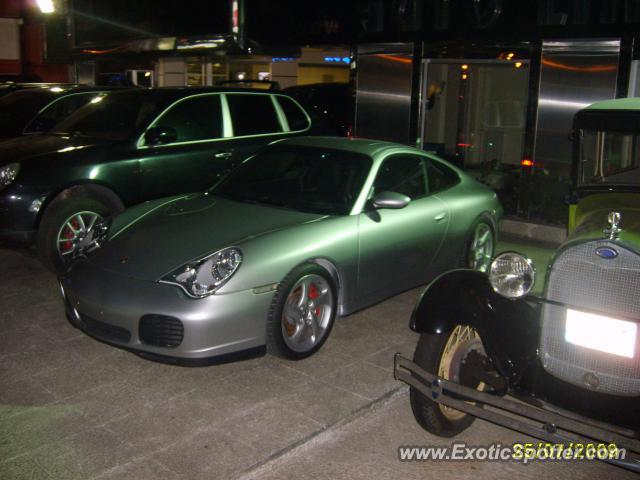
(581, 279)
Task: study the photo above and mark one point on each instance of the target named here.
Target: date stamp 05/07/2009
(525, 452)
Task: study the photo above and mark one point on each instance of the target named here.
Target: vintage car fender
(509, 328)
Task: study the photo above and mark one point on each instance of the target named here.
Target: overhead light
(46, 6)
(518, 64)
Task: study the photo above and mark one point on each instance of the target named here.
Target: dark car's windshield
(609, 158)
(308, 179)
(110, 117)
(58, 110)
(17, 108)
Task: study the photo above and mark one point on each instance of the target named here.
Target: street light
(46, 6)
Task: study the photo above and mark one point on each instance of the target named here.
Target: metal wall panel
(383, 92)
(573, 74)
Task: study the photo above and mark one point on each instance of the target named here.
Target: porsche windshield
(110, 117)
(609, 158)
(308, 179)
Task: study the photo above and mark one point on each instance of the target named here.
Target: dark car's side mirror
(160, 135)
(392, 200)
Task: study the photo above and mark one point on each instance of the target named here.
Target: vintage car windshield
(109, 117)
(609, 158)
(307, 179)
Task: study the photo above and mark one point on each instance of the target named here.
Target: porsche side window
(402, 174)
(440, 177)
(196, 118)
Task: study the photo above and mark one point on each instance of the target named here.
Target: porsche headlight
(203, 277)
(512, 275)
(8, 174)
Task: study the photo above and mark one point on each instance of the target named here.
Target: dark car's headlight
(8, 174)
(512, 275)
(203, 277)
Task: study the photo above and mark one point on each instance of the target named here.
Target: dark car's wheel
(302, 313)
(480, 245)
(64, 227)
(444, 355)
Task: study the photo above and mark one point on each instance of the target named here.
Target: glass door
(474, 115)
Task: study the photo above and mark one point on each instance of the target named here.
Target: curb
(534, 231)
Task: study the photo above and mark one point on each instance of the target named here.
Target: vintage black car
(127, 147)
(569, 358)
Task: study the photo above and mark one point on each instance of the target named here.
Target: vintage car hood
(593, 224)
(160, 236)
(30, 147)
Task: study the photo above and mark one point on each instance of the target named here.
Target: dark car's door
(193, 158)
(214, 133)
(397, 246)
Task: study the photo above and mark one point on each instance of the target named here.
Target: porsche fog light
(8, 174)
(512, 275)
(203, 277)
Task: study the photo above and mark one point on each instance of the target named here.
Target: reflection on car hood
(160, 236)
(26, 147)
(594, 223)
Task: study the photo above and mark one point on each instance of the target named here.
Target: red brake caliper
(68, 233)
(313, 294)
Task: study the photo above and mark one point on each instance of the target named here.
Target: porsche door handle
(440, 216)
(223, 155)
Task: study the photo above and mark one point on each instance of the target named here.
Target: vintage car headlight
(203, 277)
(8, 174)
(512, 275)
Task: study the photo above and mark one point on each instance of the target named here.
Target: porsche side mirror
(392, 200)
(160, 135)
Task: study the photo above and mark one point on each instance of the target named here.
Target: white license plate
(605, 334)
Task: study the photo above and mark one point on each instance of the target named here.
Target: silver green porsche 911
(305, 231)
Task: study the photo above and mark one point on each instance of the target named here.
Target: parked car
(38, 109)
(306, 230)
(7, 87)
(330, 105)
(127, 147)
(572, 354)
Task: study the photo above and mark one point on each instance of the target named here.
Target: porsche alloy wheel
(303, 313)
(445, 355)
(481, 245)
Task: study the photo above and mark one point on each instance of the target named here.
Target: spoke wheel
(444, 355)
(75, 231)
(480, 250)
(462, 340)
(302, 313)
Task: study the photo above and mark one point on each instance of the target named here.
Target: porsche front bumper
(115, 308)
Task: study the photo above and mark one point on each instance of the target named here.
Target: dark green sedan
(127, 147)
(308, 229)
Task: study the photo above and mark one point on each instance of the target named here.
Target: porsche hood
(153, 239)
